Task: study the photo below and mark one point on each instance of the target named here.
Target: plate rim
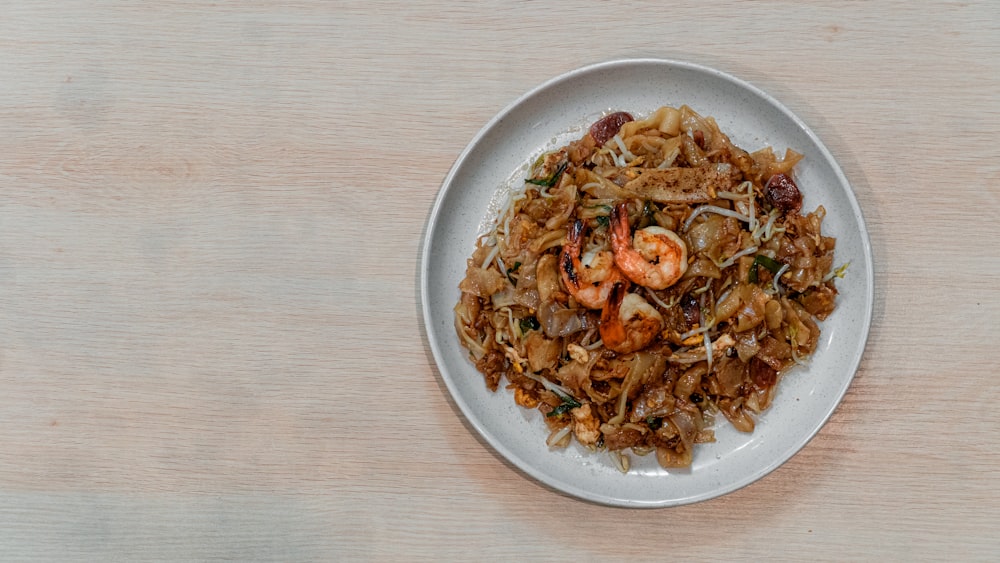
(561, 485)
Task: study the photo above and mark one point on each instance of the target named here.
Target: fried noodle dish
(649, 276)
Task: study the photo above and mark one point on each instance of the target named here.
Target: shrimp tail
(569, 259)
(612, 329)
(654, 257)
(621, 234)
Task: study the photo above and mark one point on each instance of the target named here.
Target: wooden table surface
(210, 221)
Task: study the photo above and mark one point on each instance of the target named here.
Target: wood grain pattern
(210, 216)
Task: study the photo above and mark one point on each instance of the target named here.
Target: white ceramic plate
(562, 109)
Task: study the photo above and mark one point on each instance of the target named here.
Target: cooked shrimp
(654, 257)
(589, 281)
(628, 322)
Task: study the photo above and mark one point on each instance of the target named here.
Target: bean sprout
(714, 209)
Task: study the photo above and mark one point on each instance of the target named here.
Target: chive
(558, 411)
(648, 216)
(529, 323)
(551, 180)
(573, 403)
(512, 270)
(603, 220)
(648, 209)
(771, 264)
(568, 404)
(654, 422)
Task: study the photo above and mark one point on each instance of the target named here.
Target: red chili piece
(608, 126)
(782, 193)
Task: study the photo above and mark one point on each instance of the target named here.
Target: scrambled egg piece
(586, 427)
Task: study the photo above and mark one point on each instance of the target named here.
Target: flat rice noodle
(806, 331)
(547, 278)
(692, 121)
(776, 353)
(576, 375)
(470, 306)
(526, 274)
(773, 315)
(747, 302)
(752, 303)
(523, 230)
(671, 459)
(671, 151)
(762, 374)
(785, 165)
(526, 289)
(550, 239)
(687, 427)
(767, 163)
(618, 438)
(690, 381)
(666, 120)
(465, 315)
(645, 145)
(730, 374)
(539, 209)
(482, 283)
(557, 320)
(600, 187)
(705, 235)
(527, 298)
(542, 352)
(692, 152)
(581, 149)
(819, 301)
(730, 304)
(655, 401)
(763, 397)
(643, 365)
(810, 324)
(764, 158)
(603, 392)
(716, 237)
(562, 207)
(705, 436)
(503, 298)
(719, 142)
(736, 415)
(703, 267)
(747, 345)
(743, 267)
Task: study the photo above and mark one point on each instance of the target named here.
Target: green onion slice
(771, 264)
(551, 180)
(568, 404)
